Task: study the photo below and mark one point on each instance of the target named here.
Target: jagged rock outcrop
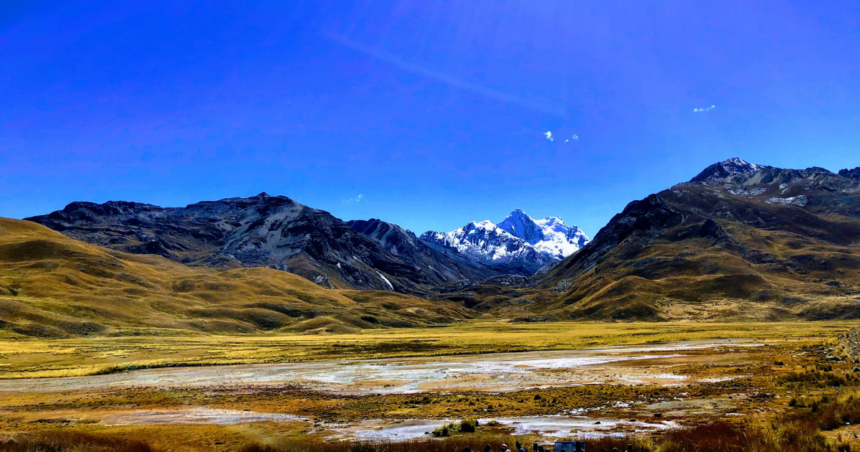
(727, 169)
(851, 173)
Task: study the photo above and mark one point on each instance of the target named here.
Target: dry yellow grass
(22, 358)
(28, 412)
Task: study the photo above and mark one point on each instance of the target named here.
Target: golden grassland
(754, 371)
(815, 396)
(29, 358)
(795, 399)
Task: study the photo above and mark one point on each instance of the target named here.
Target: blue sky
(433, 111)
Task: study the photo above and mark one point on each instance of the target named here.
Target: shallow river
(386, 430)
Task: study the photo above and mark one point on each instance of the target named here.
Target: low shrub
(464, 426)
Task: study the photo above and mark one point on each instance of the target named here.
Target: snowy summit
(549, 235)
(519, 241)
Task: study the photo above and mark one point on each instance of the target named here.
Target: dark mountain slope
(260, 231)
(443, 264)
(739, 240)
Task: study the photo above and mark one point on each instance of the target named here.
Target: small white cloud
(548, 135)
(699, 110)
(356, 199)
(575, 137)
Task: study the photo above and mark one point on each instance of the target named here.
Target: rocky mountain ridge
(260, 231)
(851, 173)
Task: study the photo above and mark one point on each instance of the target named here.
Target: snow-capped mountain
(519, 243)
(549, 235)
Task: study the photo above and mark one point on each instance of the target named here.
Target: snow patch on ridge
(390, 286)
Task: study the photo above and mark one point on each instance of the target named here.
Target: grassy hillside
(54, 286)
(698, 279)
(702, 252)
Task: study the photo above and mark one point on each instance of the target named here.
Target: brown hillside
(54, 286)
(767, 244)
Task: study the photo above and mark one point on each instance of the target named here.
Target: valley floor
(535, 381)
(150, 348)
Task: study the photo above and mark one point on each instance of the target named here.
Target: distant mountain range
(519, 244)
(260, 231)
(738, 241)
(277, 232)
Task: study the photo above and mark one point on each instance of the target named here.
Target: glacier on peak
(519, 241)
(549, 235)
